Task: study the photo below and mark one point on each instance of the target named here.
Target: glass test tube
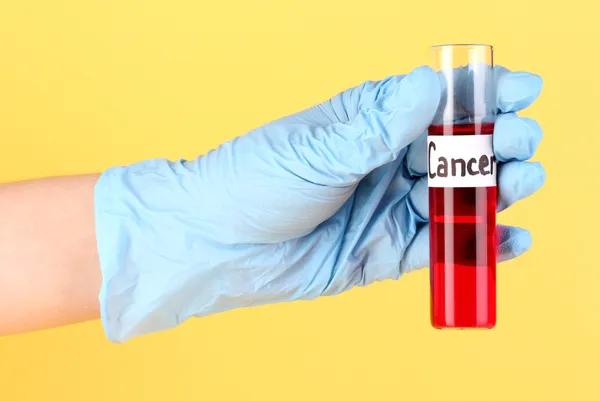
(462, 176)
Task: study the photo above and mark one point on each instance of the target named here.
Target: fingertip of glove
(418, 87)
(534, 177)
(523, 241)
(518, 90)
(415, 99)
(539, 172)
(517, 137)
(423, 83)
(514, 241)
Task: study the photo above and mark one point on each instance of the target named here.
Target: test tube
(462, 176)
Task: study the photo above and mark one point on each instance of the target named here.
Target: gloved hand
(309, 205)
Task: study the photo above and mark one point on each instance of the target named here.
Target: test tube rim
(463, 45)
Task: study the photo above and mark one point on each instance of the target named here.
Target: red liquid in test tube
(462, 176)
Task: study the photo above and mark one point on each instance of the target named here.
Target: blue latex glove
(312, 204)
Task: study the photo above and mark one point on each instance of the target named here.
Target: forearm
(49, 269)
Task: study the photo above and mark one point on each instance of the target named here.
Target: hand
(309, 205)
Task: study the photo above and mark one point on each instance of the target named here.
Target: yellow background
(85, 85)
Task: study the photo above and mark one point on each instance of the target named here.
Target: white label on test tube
(459, 161)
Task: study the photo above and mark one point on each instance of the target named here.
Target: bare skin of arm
(49, 268)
